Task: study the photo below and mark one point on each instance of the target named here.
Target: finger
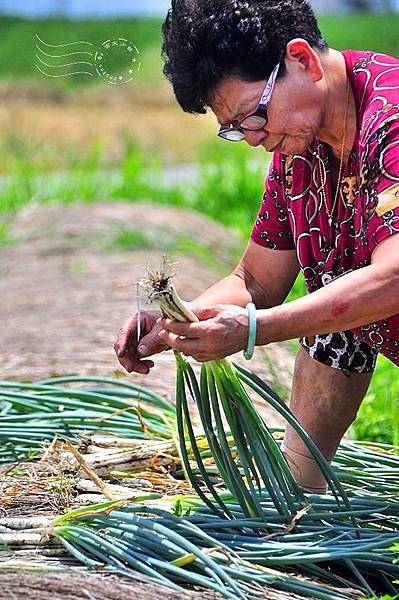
(189, 330)
(205, 313)
(149, 341)
(124, 336)
(127, 341)
(131, 347)
(137, 366)
(148, 345)
(185, 345)
(143, 367)
(127, 362)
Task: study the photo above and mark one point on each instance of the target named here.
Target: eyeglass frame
(261, 111)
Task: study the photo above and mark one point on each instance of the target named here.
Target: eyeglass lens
(253, 122)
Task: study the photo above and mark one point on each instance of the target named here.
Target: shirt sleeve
(272, 226)
(382, 184)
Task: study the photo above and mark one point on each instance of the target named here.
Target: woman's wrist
(265, 326)
(260, 328)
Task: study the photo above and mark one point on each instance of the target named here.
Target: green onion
(221, 397)
(161, 545)
(32, 414)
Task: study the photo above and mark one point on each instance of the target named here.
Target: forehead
(234, 97)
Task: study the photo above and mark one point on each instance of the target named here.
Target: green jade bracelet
(251, 308)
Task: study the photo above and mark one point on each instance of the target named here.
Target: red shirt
(293, 215)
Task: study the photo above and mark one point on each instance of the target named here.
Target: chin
(295, 147)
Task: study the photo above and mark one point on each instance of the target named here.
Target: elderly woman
(330, 207)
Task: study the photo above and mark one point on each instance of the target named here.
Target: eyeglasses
(255, 120)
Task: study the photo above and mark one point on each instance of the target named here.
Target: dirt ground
(65, 295)
(89, 586)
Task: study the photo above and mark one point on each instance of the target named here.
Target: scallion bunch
(31, 414)
(175, 551)
(221, 397)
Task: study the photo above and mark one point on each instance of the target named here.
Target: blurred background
(82, 122)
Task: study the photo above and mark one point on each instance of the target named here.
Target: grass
(378, 417)
(362, 31)
(18, 50)
(228, 189)
(127, 239)
(6, 239)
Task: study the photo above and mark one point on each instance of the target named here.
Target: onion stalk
(31, 414)
(173, 551)
(221, 397)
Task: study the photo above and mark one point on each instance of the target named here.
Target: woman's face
(295, 110)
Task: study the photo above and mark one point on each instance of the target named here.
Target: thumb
(204, 313)
(150, 344)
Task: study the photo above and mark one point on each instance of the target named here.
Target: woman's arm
(262, 276)
(357, 298)
(254, 279)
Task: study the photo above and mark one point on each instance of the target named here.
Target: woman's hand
(131, 352)
(220, 331)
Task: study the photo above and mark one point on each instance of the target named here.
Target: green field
(18, 45)
(44, 168)
(17, 49)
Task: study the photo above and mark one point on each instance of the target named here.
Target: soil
(66, 290)
(88, 586)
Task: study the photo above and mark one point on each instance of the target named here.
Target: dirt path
(64, 293)
(70, 585)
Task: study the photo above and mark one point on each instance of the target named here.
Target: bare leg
(325, 401)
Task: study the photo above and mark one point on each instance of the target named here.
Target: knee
(305, 470)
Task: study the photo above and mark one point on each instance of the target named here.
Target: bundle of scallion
(173, 550)
(320, 548)
(368, 469)
(31, 414)
(221, 397)
(322, 543)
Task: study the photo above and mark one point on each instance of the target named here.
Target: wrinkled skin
(126, 345)
(220, 331)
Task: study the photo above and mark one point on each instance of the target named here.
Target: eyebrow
(240, 112)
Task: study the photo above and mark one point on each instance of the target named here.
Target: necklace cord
(330, 213)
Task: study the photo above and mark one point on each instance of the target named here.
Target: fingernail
(143, 350)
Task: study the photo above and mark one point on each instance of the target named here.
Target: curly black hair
(205, 41)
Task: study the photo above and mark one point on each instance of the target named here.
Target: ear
(300, 54)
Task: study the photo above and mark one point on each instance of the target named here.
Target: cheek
(302, 121)
(254, 138)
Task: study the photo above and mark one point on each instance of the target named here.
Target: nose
(254, 138)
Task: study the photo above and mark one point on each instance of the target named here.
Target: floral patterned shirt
(293, 216)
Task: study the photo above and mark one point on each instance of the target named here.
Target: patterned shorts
(342, 350)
